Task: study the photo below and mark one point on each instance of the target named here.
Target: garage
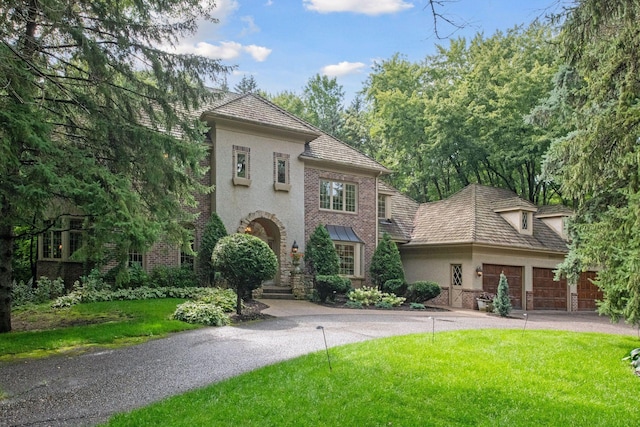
(491, 278)
(548, 294)
(588, 293)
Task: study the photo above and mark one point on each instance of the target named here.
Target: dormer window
(525, 220)
(384, 206)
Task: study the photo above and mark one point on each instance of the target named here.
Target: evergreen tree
(386, 263)
(95, 116)
(213, 231)
(247, 85)
(502, 303)
(321, 256)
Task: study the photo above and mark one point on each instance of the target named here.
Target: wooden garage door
(548, 294)
(491, 278)
(588, 293)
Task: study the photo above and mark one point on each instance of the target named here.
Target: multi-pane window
(281, 178)
(187, 260)
(338, 196)
(241, 165)
(525, 220)
(52, 241)
(62, 238)
(347, 256)
(456, 274)
(382, 206)
(135, 258)
(75, 235)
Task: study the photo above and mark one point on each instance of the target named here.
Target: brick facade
(363, 222)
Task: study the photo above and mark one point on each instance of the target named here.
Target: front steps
(277, 292)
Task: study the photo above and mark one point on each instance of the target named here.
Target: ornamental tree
(502, 303)
(386, 263)
(213, 231)
(245, 262)
(97, 115)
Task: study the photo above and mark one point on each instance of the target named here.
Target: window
(525, 220)
(281, 180)
(241, 166)
(338, 196)
(349, 255)
(187, 260)
(384, 206)
(52, 240)
(456, 274)
(62, 239)
(135, 258)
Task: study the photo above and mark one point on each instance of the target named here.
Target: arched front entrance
(269, 229)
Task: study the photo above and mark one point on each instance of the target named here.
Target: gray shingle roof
(469, 217)
(251, 108)
(403, 211)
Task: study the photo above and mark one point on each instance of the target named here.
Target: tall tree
(95, 115)
(324, 100)
(598, 161)
(246, 85)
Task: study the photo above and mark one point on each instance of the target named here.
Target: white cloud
(259, 53)
(250, 26)
(226, 50)
(269, 3)
(343, 68)
(223, 8)
(366, 7)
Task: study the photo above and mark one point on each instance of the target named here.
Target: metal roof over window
(343, 234)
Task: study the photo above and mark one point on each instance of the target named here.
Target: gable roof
(320, 146)
(470, 216)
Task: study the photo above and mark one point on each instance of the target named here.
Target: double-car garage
(547, 293)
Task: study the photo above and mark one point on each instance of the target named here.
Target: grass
(105, 324)
(479, 378)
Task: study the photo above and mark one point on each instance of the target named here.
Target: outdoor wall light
(247, 230)
(294, 248)
(479, 271)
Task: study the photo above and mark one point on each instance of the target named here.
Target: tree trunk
(6, 255)
(239, 302)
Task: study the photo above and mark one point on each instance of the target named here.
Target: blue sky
(282, 43)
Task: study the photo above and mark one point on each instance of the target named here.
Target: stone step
(277, 292)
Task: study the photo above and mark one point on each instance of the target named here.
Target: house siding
(363, 222)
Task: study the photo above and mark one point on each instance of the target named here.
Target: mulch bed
(252, 311)
(341, 302)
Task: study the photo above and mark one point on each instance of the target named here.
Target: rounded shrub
(202, 313)
(327, 285)
(395, 286)
(423, 291)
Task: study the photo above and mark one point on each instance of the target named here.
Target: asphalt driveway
(87, 389)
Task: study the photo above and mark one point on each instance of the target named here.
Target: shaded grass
(480, 378)
(112, 323)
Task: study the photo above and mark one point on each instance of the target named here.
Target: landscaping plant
(213, 231)
(329, 285)
(245, 262)
(386, 263)
(321, 254)
(422, 291)
(502, 303)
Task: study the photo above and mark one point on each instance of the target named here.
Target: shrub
(213, 231)
(502, 303)
(322, 258)
(395, 286)
(177, 277)
(386, 263)
(22, 293)
(327, 285)
(202, 313)
(423, 291)
(384, 305)
(416, 306)
(223, 298)
(371, 296)
(354, 304)
(244, 261)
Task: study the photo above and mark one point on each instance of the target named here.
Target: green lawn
(113, 323)
(479, 378)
